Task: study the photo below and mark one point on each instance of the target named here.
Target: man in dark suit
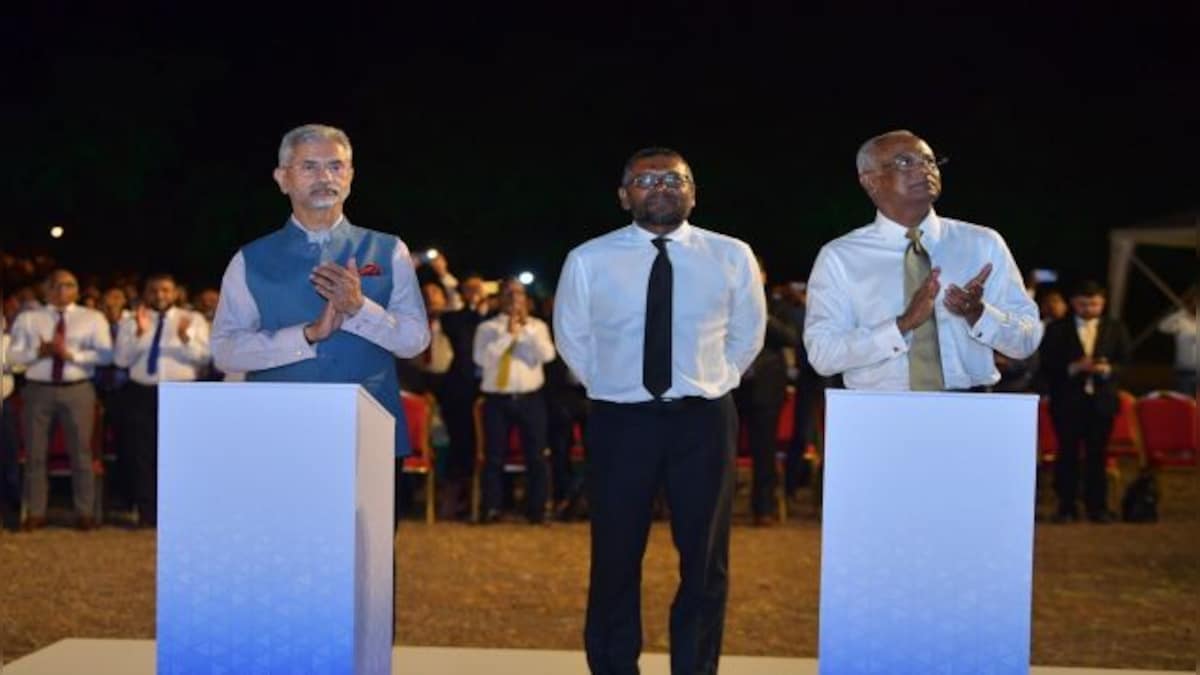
(759, 398)
(457, 394)
(1081, 355)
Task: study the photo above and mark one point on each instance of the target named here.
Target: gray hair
(309, 133)
(865, 159)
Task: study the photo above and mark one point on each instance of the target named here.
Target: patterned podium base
(136, 657)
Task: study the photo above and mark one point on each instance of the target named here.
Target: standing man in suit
(1081, 357)
(658, 320)
(759, 399)
(457, 396)
(321, 300)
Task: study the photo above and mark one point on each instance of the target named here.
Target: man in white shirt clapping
(60, 345)
(159, 343)
(511, 348)
(915, 301)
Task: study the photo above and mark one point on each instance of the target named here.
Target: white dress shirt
(1182, 324)
(87, 338)
(6, 378)
(239, 344)
(532, 347)
(718, 312)
(856, 293)
(177, 362)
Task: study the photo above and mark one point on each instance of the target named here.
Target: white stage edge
(136, 657)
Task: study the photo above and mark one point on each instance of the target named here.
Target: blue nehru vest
(277, 270)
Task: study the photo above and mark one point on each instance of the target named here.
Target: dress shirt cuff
(85, 357)
(988, 325)
(293, 342)
(888, 339)
(371, 314)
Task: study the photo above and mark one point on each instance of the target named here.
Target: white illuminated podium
(927, 536)
(274, 529)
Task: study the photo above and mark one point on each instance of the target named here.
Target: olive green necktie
(924, 357)
(505, 367)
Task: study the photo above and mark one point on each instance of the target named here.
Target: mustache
(323, 187)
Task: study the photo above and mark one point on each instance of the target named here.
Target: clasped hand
(342, 289)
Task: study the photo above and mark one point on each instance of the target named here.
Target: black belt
(59, 384)
(663, 404)
(516, 396)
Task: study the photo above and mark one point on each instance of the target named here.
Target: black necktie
(656, 350)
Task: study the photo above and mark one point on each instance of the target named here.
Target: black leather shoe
(1063, 518)
(1101, 517)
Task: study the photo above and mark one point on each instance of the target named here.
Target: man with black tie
(159, 343)
(1081, 355)
(658, 320)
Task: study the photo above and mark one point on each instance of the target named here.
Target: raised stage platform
(136, 657)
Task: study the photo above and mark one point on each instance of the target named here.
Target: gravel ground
(1109, 596)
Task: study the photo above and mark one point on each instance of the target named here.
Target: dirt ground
(1111, 596)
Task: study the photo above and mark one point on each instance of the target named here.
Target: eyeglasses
(671, 179)
(312, 169)
(905, 162)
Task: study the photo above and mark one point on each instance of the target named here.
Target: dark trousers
(762, 421)
(687, 446)
(1091, 429)
(10, 475)
(797, 471)
(142, 416)
(117, 425)
(563, 414)
(528, 413)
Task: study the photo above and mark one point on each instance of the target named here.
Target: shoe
(489, 518)
(1101, 517)
(33, 523)
(765, 520)
(85, 523)
(1063, 518)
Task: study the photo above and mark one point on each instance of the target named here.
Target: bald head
(868, 153)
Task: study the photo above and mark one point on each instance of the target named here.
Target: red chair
(1047, 437)
(418, 412)
(514, 461)
(1168, 424)
(1126, 438)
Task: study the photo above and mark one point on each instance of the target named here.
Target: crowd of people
(663, 342)
(468, 319)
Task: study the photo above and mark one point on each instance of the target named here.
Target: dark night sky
(498, 135)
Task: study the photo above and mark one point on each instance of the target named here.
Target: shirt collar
(931, 230)
(65, 310)
(683, 233)
(317, 236)
(1080, 321)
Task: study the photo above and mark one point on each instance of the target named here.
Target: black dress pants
(687, 446)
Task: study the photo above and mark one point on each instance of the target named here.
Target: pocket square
(369, 270)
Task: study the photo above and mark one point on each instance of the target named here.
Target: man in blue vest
(321, 300)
